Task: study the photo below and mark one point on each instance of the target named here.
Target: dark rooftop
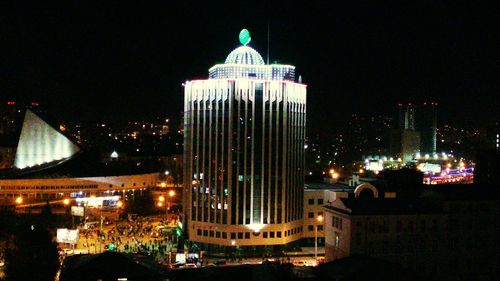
(328, 186)
(110, 266)
(383, 206)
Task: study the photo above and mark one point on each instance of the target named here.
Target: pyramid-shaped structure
(40, 143)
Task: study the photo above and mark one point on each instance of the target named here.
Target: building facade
(446, 234)
(244, 131)
(44, 189)
(427, 126)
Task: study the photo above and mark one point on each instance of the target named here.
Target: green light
(178, 232)
(245, 36)
(226, 192)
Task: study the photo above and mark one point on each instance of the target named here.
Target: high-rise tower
(427, 126)
(244, 133)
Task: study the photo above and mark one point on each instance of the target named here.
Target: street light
(171, 193)
(119, 204)
(19, 200)
(320, 220)
(66, 201)
(161, 198)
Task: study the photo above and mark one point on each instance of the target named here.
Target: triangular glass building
(40, 143)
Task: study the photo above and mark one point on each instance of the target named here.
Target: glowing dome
(244, 55)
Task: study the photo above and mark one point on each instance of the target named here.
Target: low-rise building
(450, 233)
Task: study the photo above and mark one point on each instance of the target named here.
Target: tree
(32, 255)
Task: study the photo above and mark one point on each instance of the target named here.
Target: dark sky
(94, 62)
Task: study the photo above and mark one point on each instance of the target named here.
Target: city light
(320, 218)
(19, 200)
(256, 227)
(161, 198)
(171, 193)
(66, 201)
(119, 204)
(160, 204)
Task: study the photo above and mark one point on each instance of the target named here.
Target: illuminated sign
(430, 168)
(77, 211)
(374, 166)
(107, 201)
(65, 235)
(244, 36)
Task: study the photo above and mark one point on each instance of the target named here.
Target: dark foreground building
(447, 233)
(110, 266)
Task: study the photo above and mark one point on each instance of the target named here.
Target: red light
(11, 102)
(409, 103)
(400, 104)
(34, 104)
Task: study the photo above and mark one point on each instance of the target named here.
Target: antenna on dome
(268, 36)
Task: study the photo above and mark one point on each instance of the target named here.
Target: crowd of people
(148, 235)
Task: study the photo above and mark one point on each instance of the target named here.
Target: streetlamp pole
(319, 221)
(316, 243)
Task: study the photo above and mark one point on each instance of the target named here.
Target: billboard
(65, 235)
(374, 166)
(429, 168)
(77, 211)
(98, 202)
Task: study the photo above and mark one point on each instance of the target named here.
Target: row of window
(311, 201)
(311, 214)
(247, 235)
(311, 227)
(47, 187)
(402, 226)
(398, 247)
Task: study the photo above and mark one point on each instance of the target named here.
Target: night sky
(97, 62)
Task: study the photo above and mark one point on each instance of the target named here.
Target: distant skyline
(103, 62)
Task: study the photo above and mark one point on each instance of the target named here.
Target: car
(69, 251)
(189, 265)
(300, 263)
(220, 262)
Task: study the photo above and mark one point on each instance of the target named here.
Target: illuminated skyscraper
(406, 116)
(244, 131)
